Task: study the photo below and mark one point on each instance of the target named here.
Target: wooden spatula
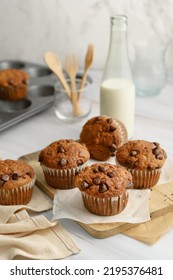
(53, 62)
(88, 62)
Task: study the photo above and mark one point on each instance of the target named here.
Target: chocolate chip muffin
(16, 182)
(61, 160)
(103, 135)
(104, 188)
(144, 160)
(13, 84)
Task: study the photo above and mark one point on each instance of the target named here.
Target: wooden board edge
(100, 234)
(161, 212)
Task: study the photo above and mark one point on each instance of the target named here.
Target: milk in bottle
(117, 90)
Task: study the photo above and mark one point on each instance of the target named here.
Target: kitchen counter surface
(153, 121)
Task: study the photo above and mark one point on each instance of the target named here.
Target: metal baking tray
(40, 93)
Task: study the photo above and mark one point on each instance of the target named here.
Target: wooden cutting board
(161, 202)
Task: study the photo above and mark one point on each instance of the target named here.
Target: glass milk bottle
(117, 90)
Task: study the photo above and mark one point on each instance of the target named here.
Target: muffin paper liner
(105, 206)
(18, 195)
(61, 178)
(13, 93)
(145, 179)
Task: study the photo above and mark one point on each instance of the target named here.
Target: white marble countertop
(153, 121)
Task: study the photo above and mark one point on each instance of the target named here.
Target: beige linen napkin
(25, 237)
(39, 202)
(34, 238)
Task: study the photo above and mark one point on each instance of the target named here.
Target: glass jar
(64, 108)
(149, 68)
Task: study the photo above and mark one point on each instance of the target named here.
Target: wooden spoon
(88, 62)
(53, 62)
(71, 67)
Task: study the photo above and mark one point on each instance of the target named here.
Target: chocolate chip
(109, 120)
(134, 153)
(103, 187)
(156, 151)
(40, 159)
(29, 174)
(150, 167)
(129, 164)
(96, 119)
(111, 174)
(160, 156)
(113, 147)
(156, 144)
(79, 162)
(60, 149)
(97, 180)
(5, 177)
(101, 168)
(95, 170)
(112, 128)
(1, 183)
(85, 185)
(15, 176)
(63, 162)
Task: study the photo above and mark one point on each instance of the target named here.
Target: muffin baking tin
(40, 93)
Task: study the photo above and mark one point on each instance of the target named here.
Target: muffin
(13, 84)
(16, 182)
(103, 135)
(144, 160)
(104, 188)
(61, 160)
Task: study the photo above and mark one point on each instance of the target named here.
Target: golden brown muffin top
(15, 173)
(103, 135)
(13, 77)
(64, 154)
(104, 180)
(141, 154)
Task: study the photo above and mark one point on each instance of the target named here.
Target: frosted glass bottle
(117, 90)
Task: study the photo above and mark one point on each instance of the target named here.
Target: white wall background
(28, 28)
